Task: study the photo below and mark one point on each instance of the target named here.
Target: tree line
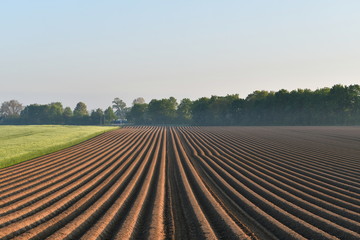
(12, 112)
(338, 105)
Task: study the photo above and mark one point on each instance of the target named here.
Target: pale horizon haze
(94, 51)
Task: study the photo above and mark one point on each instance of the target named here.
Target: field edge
(26, 157)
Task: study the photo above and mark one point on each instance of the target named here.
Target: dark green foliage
(43, 114)
(120, 108)
(184, 113)
(339, 105)
(81, 114)
(215, 110)
(81, 110)
(109, 115)
(162, 111)
(138, 114)
(200, 111)
(67, 115)
(97, 117)
(54, 113)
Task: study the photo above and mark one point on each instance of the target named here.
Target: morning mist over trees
(338, 105)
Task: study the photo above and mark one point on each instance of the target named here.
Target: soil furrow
(154, 182)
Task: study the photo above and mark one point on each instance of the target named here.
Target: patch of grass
(21, 143)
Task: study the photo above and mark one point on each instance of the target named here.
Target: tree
(54, 113)
(238, 110)
(162, 111)
(220, 108)
(258, 95)
(138, 114)
(120, 108)
(354, 99)
(139, 100)
(336, 105)
(11, 108)
(200, 111)
(97, 117)
(184, 111)
(67, 115)
(68, 112)
(109, 115)
(81, 110)
(35, 114)
(81, 114)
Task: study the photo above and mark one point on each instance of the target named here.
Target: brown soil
(190, 183)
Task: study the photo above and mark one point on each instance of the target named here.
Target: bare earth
(190, 183)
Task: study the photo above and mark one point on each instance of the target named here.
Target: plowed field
(190, 183)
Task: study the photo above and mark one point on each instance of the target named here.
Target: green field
(21, 143)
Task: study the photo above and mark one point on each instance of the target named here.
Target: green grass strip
(22, 143)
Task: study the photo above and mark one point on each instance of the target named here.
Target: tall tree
(162, 111)
(81, 110)
(67, 115)
(120, 108)
(200, 111)
(97, 117)
(55, 113)
(81, 114)
(11, 108)
(184, 111)
(139, 100)
(109, 115)
(138, 114)
(35, 114)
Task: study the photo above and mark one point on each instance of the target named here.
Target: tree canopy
(338, 105)
(120, 108)
(11, 108)
(139, 100)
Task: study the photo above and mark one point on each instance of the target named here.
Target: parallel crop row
(189, 183)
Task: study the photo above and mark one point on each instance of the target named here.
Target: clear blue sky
(94, 51)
